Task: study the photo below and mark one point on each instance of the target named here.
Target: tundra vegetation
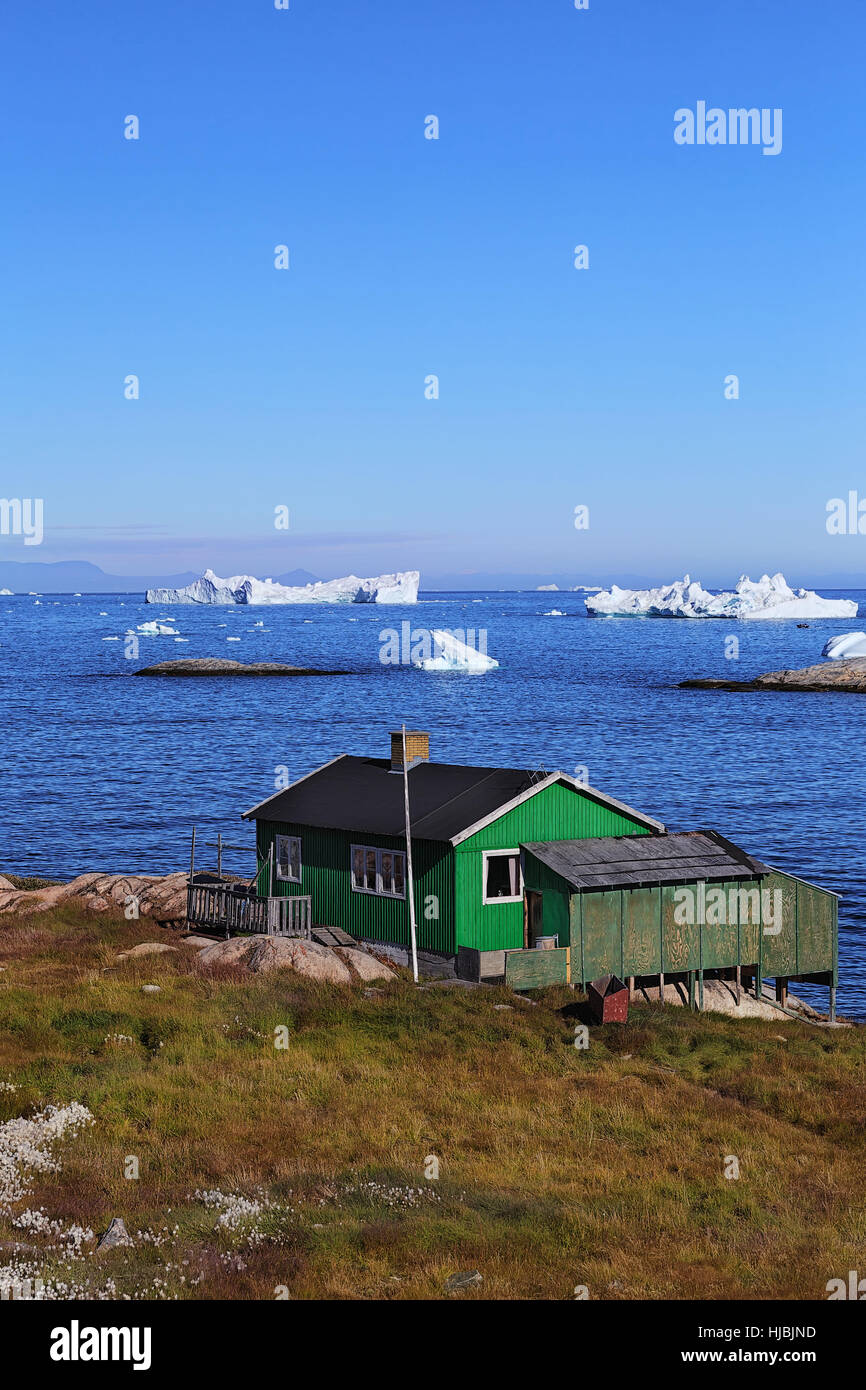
(243, 1169)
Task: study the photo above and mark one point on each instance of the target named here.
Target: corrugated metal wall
(326, 878)
(556, 813)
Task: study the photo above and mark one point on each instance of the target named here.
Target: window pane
(387, 871)
(502, 876)
(371, 870)
(358, 867)
(282, 856)
(400, 875)
(295, 859)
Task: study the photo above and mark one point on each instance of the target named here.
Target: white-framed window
(501, 881)
(288, 858)
(379, 871)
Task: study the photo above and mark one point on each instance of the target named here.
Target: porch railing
(232, 908)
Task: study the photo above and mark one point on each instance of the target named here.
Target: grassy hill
(302, 1169)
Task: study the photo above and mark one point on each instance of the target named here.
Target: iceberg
(244, 588)
(845, 645)
(156, 630)
(451, 654)
(769, 597)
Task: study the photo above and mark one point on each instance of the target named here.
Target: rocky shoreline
(219, 666)
(844, 676)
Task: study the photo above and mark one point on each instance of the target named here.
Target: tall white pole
(409, 885)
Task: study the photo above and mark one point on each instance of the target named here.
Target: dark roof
(446, 799)
(629, 861)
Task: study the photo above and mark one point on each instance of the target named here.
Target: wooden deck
(231, 908)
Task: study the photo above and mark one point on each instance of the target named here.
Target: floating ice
(845, 645)
(243, 588)
(554, 613)
(452, 654)
(156, 629)
(6, 592)
(770, 598)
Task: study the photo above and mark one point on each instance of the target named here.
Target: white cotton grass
(26, 1146)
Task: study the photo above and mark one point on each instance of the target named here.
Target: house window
(502, 879)
(379, 871)
(288, 852)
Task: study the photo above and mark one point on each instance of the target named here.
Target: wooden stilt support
(662, 987)
(701, 990)
(691, 989)
(739, 981)
(832, 1003)
(630, 988)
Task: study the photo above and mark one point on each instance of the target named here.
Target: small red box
(608, 1000)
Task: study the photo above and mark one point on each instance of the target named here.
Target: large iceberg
(770, 597)
(244, 588)
(450, 653)
(846, 645)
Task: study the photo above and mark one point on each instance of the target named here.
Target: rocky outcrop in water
(219, 666)
(837, 675)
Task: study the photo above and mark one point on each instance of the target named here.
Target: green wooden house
(506, 860)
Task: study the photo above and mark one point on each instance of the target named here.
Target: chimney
(417, 749)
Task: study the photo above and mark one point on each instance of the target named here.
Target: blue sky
(452, 257)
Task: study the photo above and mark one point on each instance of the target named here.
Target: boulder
(261, 954)
(305, 957)
(467, 1279)
(117, 1234)
(364, 966)
(146, 948)
(231, 952)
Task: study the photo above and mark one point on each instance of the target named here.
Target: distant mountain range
(81, 577)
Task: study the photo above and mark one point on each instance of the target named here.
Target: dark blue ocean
(104, 771)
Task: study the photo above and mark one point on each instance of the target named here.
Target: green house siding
(326, 878)
(557, 812)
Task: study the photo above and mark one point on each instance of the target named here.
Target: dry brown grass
(559, 1167)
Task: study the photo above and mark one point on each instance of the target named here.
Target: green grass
(558, 1167)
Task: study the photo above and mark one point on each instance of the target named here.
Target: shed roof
(632, 861)
(448, 801)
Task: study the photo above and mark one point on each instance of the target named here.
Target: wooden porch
(234, 907)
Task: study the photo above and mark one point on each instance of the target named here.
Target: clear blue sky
(411, 256)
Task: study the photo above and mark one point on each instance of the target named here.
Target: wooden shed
(680, 906)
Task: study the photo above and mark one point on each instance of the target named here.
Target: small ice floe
(76, 596)
(260, 623)
(157, 629)
(111, 639)
(181, 639)
(845, 645)
(31, 593)
(233, 639)
(37, 604)
(554, 613)
(102, 615)
(451, 653)
(221, 624)
(7, 593)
